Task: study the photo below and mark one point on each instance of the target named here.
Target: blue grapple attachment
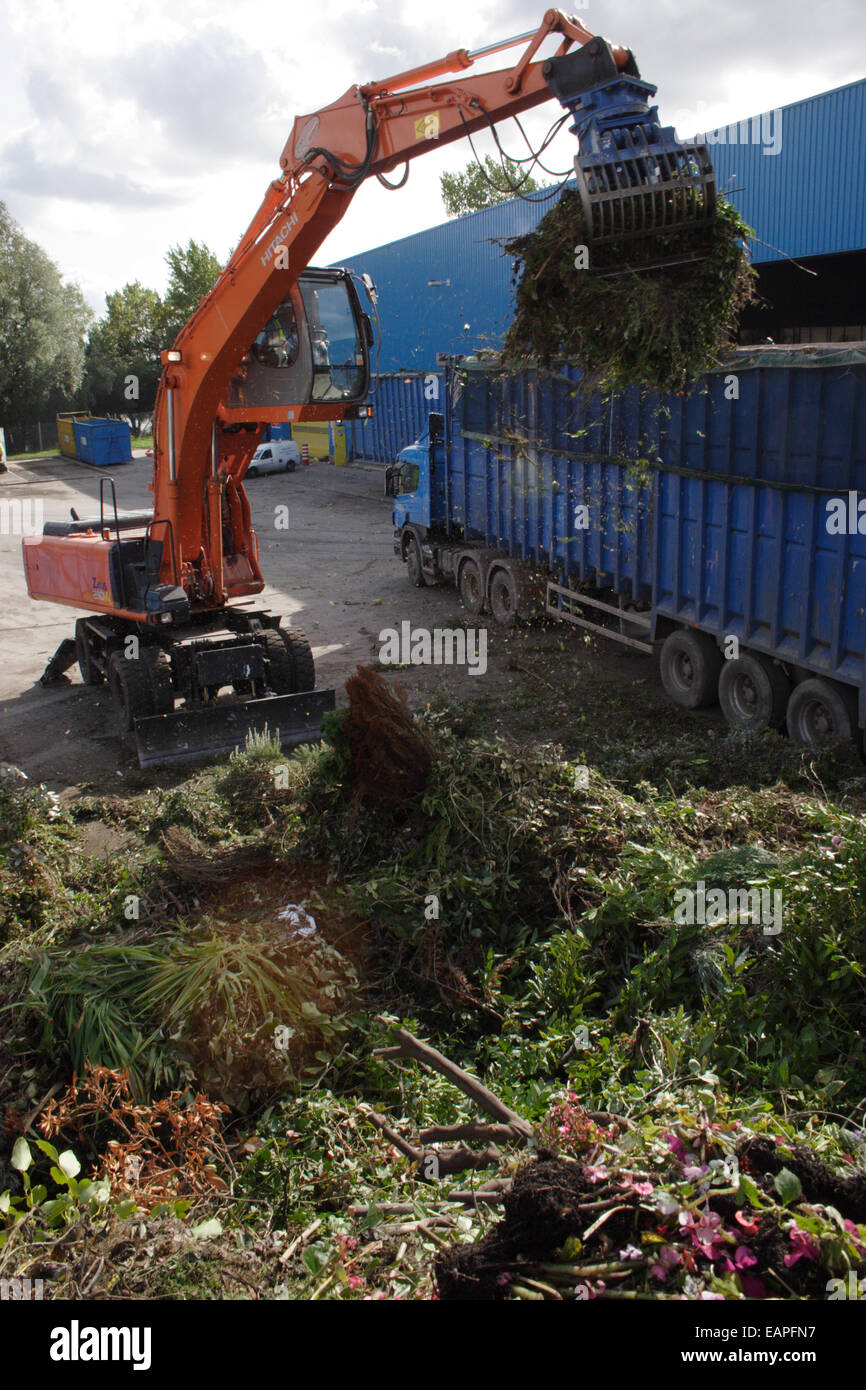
(648, 199)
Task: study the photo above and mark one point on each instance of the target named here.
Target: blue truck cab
(416, 482)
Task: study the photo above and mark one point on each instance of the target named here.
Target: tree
(122, 369)
(122, 364)
(193, 272)
(42, 327)
(482, 186)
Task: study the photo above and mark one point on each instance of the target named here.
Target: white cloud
(128, 128)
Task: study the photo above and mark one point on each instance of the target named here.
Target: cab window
(338, 353)
(410, 476)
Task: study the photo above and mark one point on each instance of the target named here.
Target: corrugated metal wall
(809, 199)
(401, 403)
(432, 285)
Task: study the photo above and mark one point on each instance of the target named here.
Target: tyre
(133, 689)
(504, 597)
(690, 667)
(471, 586)
(754, 693)
(159, 670)
(821, 713)
(281, 671)
(301, 659)
(413, 562)
(90, 672)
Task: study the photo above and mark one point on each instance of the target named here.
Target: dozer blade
(186, 736)
(648, 199)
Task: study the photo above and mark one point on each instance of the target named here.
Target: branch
(410, 1046)
(475, 1130)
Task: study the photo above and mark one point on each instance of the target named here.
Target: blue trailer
(724, 529)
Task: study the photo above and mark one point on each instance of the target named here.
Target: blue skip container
(103, 442)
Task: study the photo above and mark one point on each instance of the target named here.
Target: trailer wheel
(412, 552)
(301, 657)
(90, 672)
(471, 586)
(821, 714)
(504, 598)
(690, 667)
(753, 692)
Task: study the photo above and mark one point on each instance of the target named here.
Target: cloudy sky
(128, 127)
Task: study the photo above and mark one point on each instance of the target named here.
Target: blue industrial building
(797, 176)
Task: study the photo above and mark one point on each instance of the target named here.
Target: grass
(521, 918)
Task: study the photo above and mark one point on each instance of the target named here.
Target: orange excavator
(191, 663)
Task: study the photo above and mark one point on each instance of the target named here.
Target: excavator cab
(315, 349)
(648, 198)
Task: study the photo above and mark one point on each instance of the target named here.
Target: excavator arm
(200, 445)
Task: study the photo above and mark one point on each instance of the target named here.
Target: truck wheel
(504, 599)
(413, 563)
(471, 586)
(301, 657)
(132, 690)
(753, 692)
(690, 667)
(90, 672)
(821, 714)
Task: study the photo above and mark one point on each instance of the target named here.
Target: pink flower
(743, 1259)
(597, 1173)
(805, 1247)
(630, 1252)
(676, 1146)
(752, 1286)
(643, 1189)
(669, 1258)
(693, 1171)
(354, 1281)
(503, 1278)
(705, 1235)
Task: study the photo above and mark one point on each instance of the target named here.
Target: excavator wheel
(90, 672)
(160, 677)
(301, 657)
(140, 687)
(281, 672)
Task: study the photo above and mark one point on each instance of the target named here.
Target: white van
(279, 456)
